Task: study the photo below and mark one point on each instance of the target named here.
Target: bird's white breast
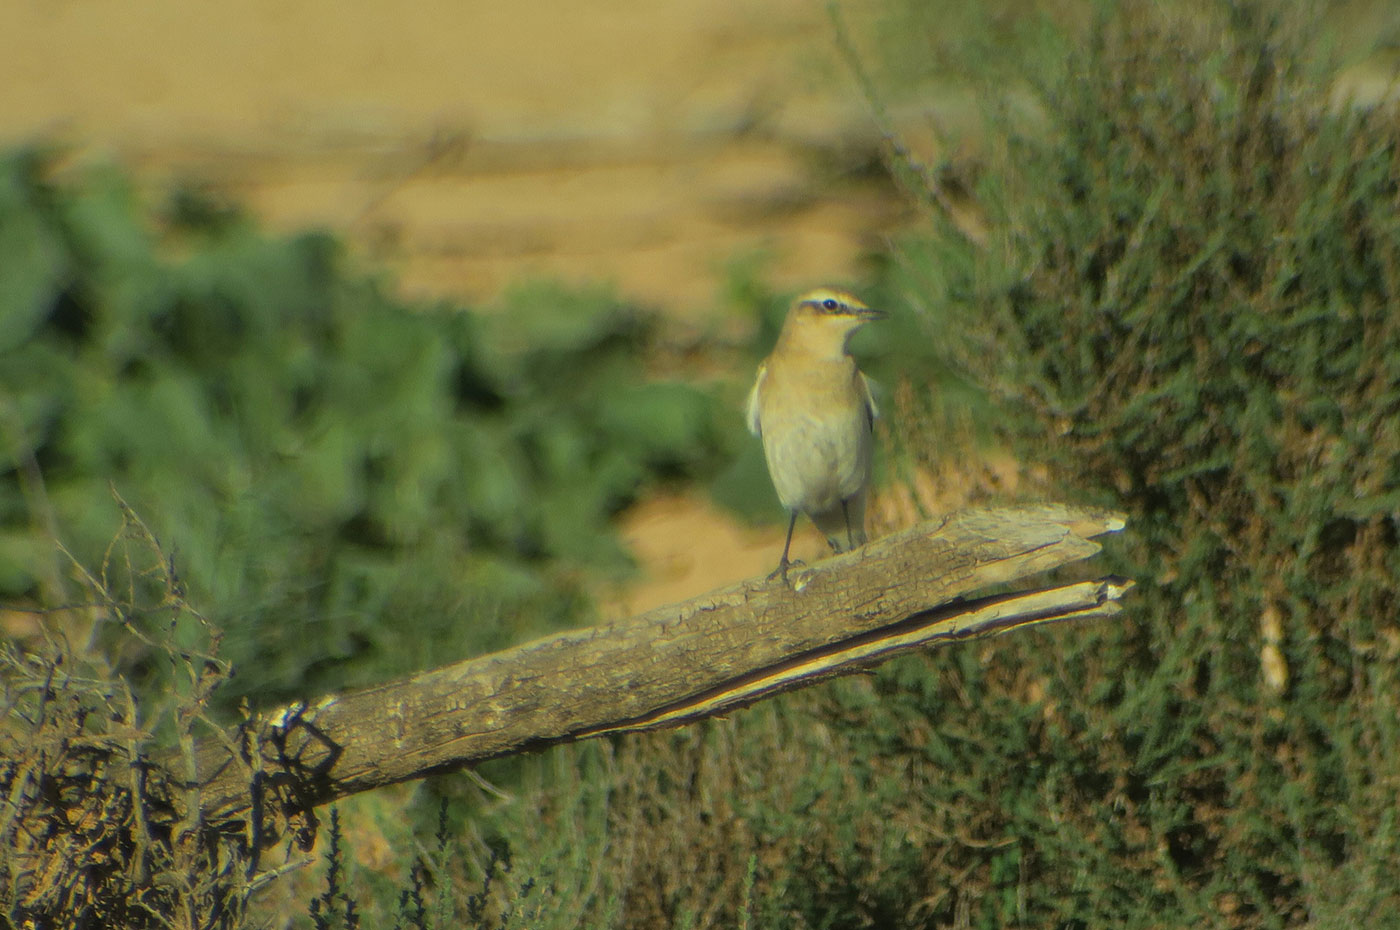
(815, 426)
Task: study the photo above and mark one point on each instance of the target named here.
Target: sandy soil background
(466, 143)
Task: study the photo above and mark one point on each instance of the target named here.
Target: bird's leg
(850, 537)
(783, 565)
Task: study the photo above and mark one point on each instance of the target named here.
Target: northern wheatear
(814, 411)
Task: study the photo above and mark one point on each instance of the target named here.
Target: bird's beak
(870, 313)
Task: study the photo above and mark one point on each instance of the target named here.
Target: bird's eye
(829, 304)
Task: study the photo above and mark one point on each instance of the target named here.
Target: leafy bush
(1186, 309)
(326, 462)
(1193, 315)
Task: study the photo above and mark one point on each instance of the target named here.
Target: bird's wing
(755, 426)
(868, 390)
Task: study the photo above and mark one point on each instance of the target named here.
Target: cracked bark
(933, 584)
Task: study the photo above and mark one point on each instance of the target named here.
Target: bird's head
(821, 322)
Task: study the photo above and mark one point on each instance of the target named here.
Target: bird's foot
(782, 570)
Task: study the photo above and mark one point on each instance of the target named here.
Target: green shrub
(1186, 309)
(352, 487)
(1186, 312)
(1191, 308)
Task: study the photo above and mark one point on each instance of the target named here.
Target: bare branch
(933, 584)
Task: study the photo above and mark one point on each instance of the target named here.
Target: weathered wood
(674, 664)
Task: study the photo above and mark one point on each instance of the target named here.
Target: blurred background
(413, 333)
(656, 151)
(465, 146)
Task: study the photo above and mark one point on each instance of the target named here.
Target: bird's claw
(782, 570)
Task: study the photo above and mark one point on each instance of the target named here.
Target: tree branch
(933, 584)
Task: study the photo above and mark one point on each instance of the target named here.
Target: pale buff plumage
(814, 411)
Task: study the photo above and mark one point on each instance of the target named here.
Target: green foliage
(1191, 310)
(453, 867)
(1186, 311)
(327, 463)
(926, 43)
(335, 908)
(437, 894)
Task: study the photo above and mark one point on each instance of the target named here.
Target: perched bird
(814, 411)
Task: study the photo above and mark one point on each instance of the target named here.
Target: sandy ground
(464, 143)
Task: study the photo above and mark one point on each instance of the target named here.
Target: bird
(815, 412)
